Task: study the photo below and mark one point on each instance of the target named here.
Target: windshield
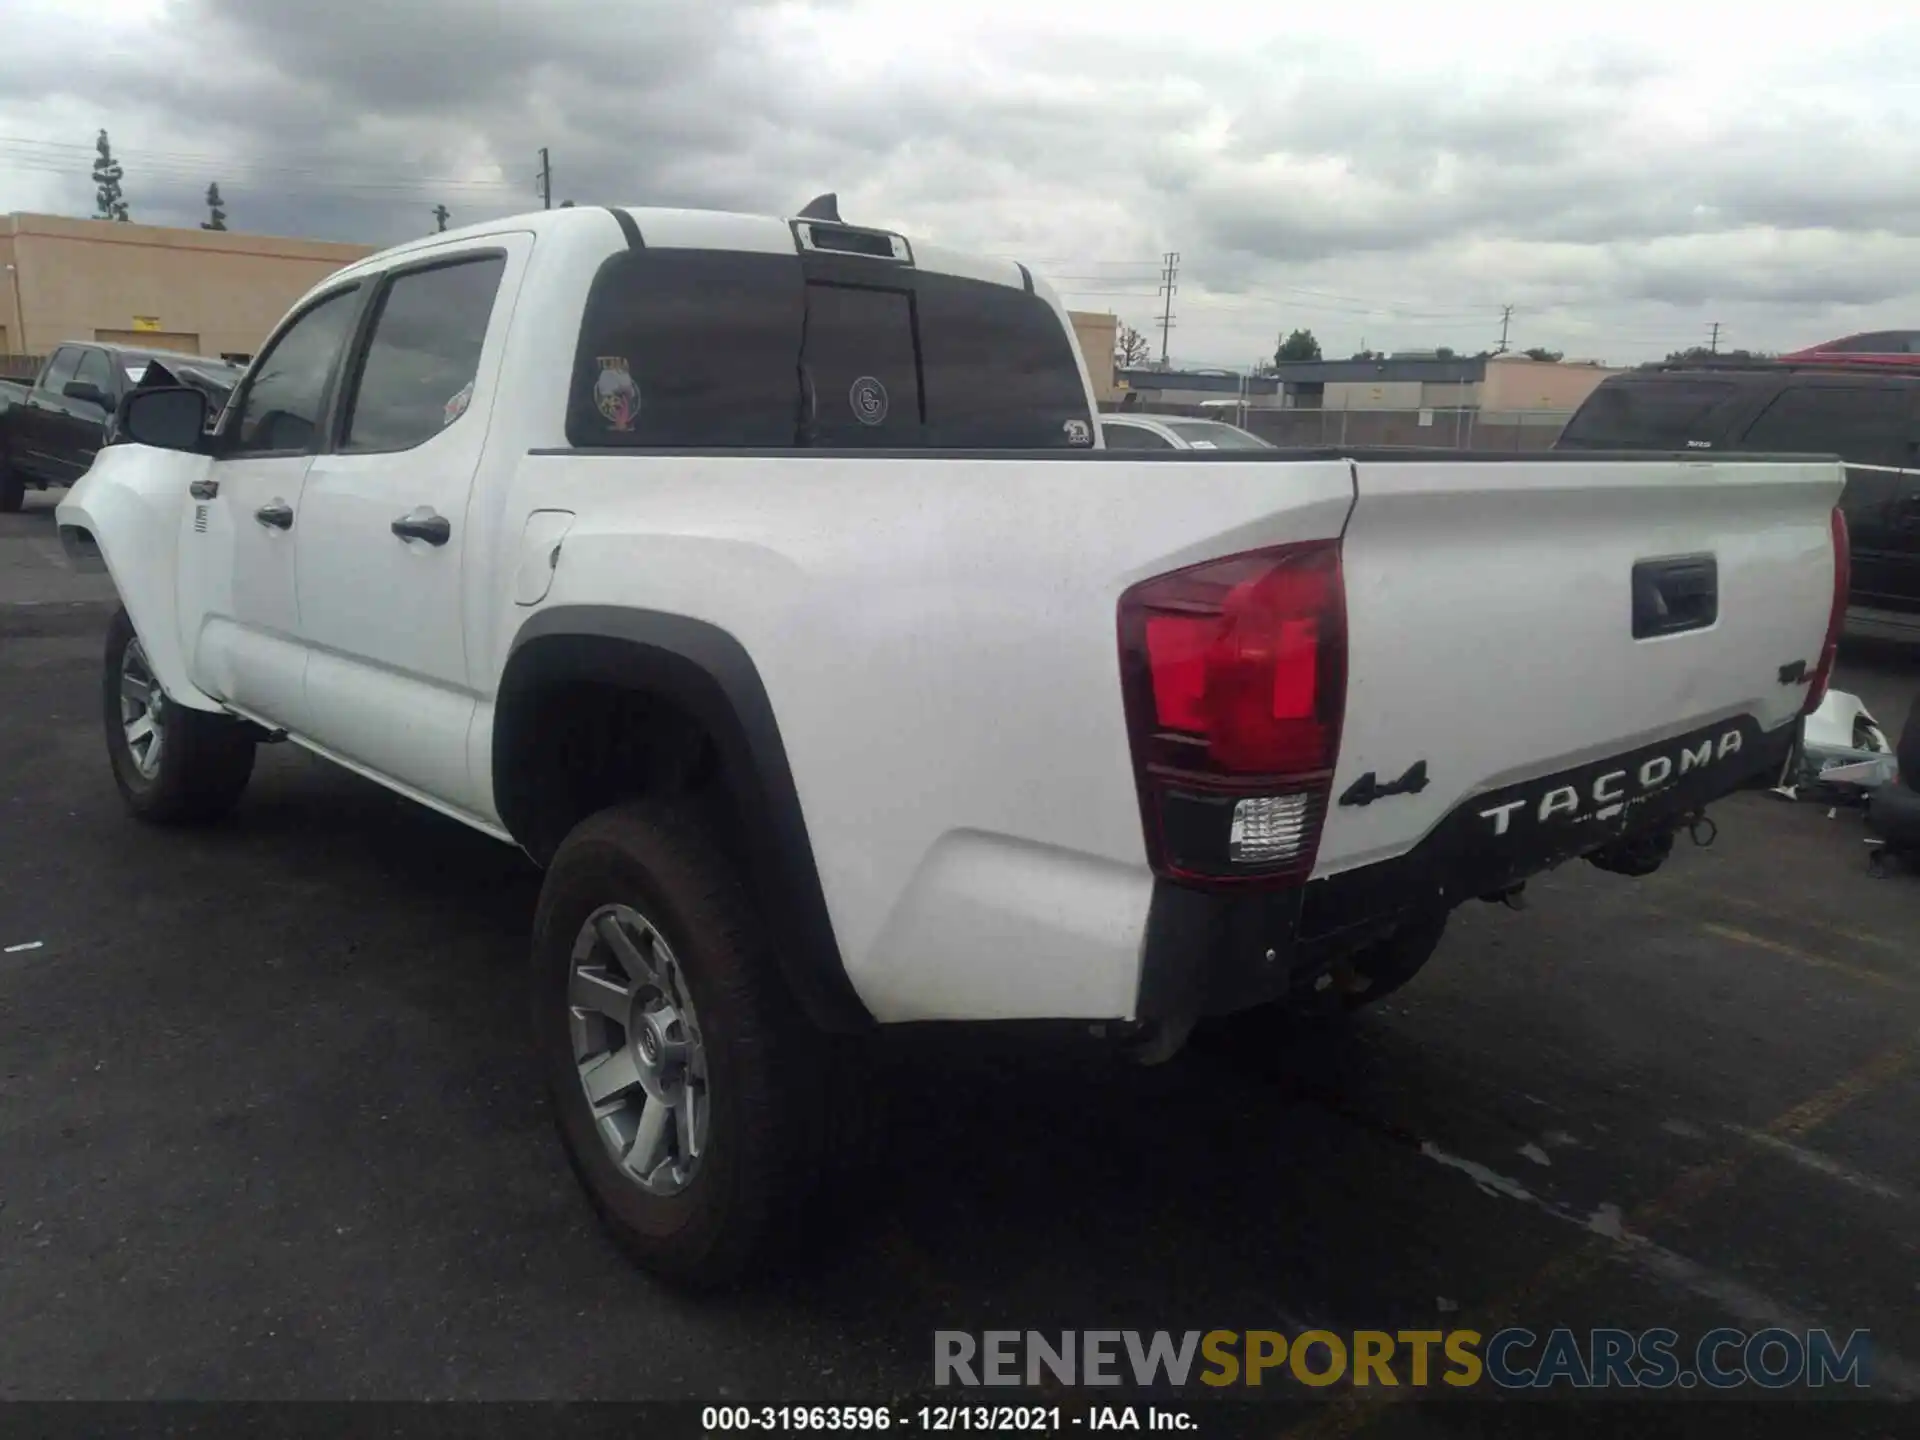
(1216, 435)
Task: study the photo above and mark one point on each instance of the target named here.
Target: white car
(1174, 432)
(870, 689)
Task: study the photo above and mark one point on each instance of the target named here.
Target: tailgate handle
(1676, 595)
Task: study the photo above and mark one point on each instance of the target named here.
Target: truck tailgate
(1491, 618)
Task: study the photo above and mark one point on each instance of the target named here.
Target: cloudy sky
(1393, 174)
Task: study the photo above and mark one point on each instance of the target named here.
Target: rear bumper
(1211, 952)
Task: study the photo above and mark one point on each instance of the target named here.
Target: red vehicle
(1899, 349)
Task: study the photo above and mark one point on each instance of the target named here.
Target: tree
(440, 213)
(111, 203)
(1131, 349)
(1300, 345)
(1443, 352)
(1539, 352)
(1703, 352)
(216, 216)
(1367, 355)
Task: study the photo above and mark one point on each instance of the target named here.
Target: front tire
(687, 1087)
(172, 765)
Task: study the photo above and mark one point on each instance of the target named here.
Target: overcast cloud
(1623, 176)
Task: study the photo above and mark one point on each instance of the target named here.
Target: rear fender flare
(708, 674)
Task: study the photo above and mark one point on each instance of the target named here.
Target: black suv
(1870, 418)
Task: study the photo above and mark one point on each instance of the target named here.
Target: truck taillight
(1234, 675)
(1836, 617)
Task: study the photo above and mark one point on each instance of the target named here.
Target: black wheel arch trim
(708, 673)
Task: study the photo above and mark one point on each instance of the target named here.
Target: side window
(424, 353)
(862, 384)
(95, 370)
(1001, 370)
(1861, 424)
(64, 366)
(1132, 437)
(690, 348)
(280, 410)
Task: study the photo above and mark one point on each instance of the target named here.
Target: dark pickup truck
(51, 430)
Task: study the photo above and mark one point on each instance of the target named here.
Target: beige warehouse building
(205, 292)
(208, 292)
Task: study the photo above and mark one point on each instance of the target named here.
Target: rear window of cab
(705, 349)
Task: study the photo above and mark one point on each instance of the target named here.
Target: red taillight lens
(1837, 617)
(1235, 674)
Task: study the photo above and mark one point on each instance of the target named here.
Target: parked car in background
(51, 430)
(1173, 432)
(1868, 415)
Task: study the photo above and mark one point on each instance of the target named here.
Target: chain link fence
(1449, 428)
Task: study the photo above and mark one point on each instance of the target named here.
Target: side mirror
(167, 417)
(87, 391)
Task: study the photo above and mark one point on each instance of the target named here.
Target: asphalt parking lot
(269, 1127)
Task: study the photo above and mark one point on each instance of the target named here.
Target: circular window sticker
(869, 400)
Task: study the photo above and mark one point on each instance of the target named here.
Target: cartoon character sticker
(457, 405)
(615, 395)
(1078, 432)
(869, 400)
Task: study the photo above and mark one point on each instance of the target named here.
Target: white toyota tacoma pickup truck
(766, 582)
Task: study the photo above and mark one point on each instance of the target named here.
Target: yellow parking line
(1808, 958)
(1357, 1409)
(1740, 902)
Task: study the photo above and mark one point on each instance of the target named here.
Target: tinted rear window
(1001, 371)
(689, 348)
(1652, 414)
(696, 349)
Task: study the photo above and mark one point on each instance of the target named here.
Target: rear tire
(13, 489)
(653, 986)
(173, 766)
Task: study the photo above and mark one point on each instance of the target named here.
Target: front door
(239, 601)
(383, 532)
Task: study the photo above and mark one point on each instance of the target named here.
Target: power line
(1167, 288)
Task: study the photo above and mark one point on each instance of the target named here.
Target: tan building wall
(208, 292)
(1372, 395)
(1516, 383)
(1096, 333)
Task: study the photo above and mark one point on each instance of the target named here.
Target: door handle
(422, 524)
(277, 513)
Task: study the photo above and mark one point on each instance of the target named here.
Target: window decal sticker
(869, 400)
(615, 395)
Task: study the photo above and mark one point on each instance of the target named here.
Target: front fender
(125, 516)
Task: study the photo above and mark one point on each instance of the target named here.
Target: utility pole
(440, 215)
(1713, 345)
(1171, 267)
(546, 180)
(1506, 318)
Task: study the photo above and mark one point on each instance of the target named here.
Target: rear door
(382, 543)
(1871, 425)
